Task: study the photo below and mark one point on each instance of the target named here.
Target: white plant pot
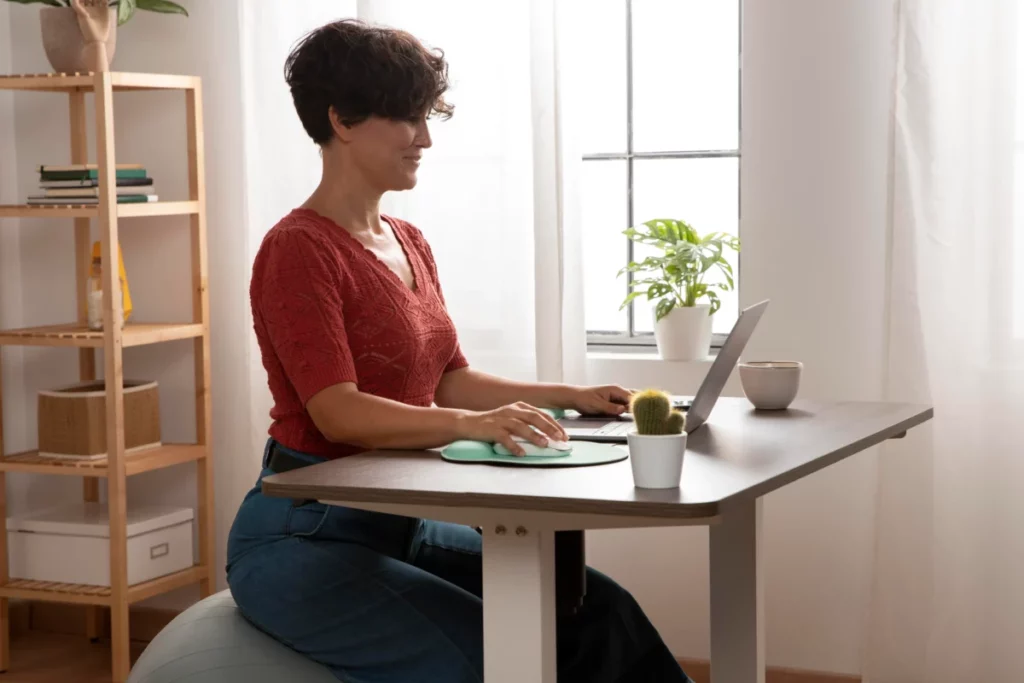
(657, 460)
(685, 333)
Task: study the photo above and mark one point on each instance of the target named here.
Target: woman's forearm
(470, 389)
(345, 415)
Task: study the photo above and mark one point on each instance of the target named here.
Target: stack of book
(79, 184)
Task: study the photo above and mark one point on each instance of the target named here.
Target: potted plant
(678, 279)
(657, 446)
(81, 35)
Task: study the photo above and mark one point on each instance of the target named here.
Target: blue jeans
(379, 598)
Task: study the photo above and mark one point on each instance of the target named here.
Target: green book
(37, 200)
(90, 174)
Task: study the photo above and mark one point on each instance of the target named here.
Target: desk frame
(519, 583)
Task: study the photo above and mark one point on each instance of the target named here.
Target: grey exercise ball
(211, 642)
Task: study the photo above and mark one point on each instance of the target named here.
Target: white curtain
(948, 601)
(494, 197)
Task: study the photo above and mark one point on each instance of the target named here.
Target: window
(663, 142)
(1017, 297)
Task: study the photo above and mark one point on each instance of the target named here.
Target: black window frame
(604, 340)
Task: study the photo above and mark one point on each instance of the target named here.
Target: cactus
(676, 423)
(653, 414)
(650, 409)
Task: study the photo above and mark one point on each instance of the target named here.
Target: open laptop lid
(726, 359)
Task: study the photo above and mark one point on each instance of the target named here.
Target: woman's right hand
(502, 424)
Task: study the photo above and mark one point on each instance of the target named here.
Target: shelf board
(160, 457)
(165, 584)
(49, 591)
(82, 594)
(136, 210)
(79, 336)
(121, 80)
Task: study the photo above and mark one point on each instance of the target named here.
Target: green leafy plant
(125, 8)
(653, 414)
(678, 276)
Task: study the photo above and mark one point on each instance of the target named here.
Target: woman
(360, 354)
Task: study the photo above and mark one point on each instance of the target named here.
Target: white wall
(150, 130)
(813, 174)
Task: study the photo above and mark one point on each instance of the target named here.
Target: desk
(731, 462)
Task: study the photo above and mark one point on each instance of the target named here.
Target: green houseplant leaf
(679, 274)
(125, 10)
(51, 3)
(162, 6)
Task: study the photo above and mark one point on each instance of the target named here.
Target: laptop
(613, 429)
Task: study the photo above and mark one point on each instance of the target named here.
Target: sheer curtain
(948, 600)
(494, 197)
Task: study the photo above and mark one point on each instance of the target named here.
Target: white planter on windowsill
(685, 333)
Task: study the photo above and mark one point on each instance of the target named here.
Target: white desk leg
(519, 605)
(737, 601)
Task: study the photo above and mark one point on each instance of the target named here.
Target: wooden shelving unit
(79, 336)
(92, 211)
(119, 465)
(167, 455)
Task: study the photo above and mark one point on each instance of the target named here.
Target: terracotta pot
(63, 41)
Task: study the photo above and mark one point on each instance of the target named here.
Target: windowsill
(643, 367)
(647, 354)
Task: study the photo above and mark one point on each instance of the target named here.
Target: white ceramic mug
(771, 385)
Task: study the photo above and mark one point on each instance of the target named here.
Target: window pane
(604, 245)
(702, 192)
(1017, 300)
(685, 75)
(599, 94)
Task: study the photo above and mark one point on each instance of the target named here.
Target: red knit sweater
(326, 310)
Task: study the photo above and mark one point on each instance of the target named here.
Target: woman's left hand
(609, 399)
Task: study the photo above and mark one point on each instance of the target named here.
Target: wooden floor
(39, 657)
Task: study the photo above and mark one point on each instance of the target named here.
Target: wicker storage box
(73, 424)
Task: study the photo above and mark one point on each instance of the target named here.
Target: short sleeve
(299, 299)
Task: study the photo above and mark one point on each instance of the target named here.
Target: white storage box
(71, 543)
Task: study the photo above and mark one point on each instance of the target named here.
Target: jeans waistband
(279, 458)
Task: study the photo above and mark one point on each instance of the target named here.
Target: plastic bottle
(94, 295)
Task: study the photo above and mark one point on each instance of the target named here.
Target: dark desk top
(739, 453)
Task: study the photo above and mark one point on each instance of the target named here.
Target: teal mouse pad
(583, 453)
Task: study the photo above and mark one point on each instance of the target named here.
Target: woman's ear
(341, 131)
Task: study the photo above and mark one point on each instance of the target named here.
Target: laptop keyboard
(615, 429)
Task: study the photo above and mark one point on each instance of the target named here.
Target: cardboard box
(71, 543)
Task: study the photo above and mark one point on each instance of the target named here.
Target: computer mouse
(553, 449)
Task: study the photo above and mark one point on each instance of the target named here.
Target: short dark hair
(363, 71)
